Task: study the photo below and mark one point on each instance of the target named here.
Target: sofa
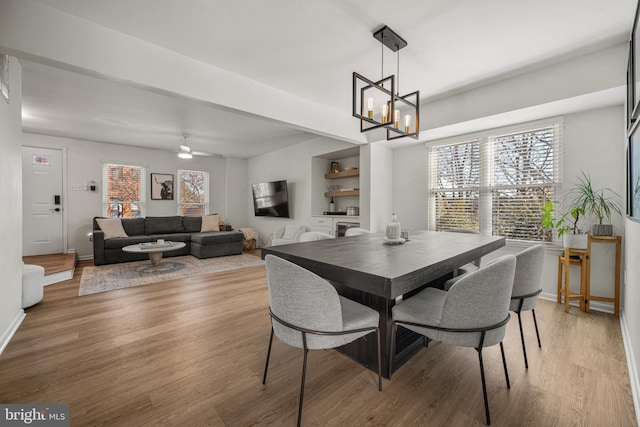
(207, 244)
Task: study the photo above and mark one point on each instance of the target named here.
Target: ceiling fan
(185, 151)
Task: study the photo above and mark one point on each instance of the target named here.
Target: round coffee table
(155, 255)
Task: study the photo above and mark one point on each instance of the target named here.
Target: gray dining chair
(526, 288)
(307, 312)
(355, 231)
(473, 313)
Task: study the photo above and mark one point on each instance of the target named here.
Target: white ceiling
(308, 49)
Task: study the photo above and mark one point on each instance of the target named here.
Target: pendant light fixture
(378, 104)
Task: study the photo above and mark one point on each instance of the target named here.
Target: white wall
(294, 164)
(84, 163)
(238, 193)
(630, 312)
(11, 313)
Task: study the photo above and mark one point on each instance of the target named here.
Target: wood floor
(54, 263)
(191, 352)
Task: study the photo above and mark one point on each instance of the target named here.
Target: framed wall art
(161, 186)
(4, 76)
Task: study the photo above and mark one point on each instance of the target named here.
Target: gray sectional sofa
(174, 228)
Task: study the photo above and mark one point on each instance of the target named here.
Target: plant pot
(602, 230)
(575, 241)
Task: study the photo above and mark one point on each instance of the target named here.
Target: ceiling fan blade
(203, 153)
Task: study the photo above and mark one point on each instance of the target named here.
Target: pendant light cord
(398, 87)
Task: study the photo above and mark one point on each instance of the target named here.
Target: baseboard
(85, 257)
(634, 381)
(603, 307)
(11, 330)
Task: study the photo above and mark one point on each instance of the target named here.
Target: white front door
(41, 201)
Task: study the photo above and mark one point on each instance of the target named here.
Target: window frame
(178, 189)
(105, 188)
(488, 163)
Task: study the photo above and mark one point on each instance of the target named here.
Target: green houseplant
(600, 204)
(566, 225)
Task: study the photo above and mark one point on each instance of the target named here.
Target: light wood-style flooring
(191, 352)
(54, 263)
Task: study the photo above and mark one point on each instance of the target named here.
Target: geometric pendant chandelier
(378, 104)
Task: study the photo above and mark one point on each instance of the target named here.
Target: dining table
(379, 273)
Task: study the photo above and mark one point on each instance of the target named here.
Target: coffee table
(155, 255)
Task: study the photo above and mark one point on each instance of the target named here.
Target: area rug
(104, 278)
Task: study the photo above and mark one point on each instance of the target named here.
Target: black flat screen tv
(271, 199)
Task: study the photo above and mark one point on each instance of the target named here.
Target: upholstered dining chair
(526, 288)
(473, 313)
(307, 312)
(310, 236)
(355, 231)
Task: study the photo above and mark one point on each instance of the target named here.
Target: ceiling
(308, 49)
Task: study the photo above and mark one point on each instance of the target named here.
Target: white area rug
(104, 278)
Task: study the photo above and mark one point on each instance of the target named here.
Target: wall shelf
(342, 193)
(342, 174)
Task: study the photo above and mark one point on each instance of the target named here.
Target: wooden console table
(582, 257)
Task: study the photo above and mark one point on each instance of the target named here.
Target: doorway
(42, 204)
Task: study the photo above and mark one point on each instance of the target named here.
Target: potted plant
(566, 225)
(600, 204)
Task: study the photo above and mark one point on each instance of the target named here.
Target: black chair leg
(266, 365)
(524, 347)
(392, 352)
(304, 372)
(504, 364)
(535, 322)
(379, 361)
(484, 386)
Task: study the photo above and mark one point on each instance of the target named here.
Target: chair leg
(535, 322)
(266, 365)
(392, 352)
(304, 372)
(379, 360)
(524, 347)
(504, 364)
(484, 386)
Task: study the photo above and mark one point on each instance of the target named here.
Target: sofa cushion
(112, 227)
(121, 242)
(217, 237)
(133, 226)
(192, 224)
(163, 224)
(210, 223)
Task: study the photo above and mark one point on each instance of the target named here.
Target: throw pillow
(210, 223)
(290, 232)
(112, 227)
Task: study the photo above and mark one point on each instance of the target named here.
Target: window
(496, 183)
(193, 193)
(123, 190)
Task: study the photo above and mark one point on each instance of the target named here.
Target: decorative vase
(393, 228)
(575, 241)
(602, 230)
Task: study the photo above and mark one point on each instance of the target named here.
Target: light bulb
(407, 123)
(396, 118)
(184, 155)
(370, 108)
(385, 113)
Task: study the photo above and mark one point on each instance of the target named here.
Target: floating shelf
(342, 174)
(342, 193)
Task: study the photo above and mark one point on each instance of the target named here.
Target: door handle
(55, 210)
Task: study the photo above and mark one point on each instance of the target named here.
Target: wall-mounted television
(271, 199)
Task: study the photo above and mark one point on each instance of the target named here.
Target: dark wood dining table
(370, 271)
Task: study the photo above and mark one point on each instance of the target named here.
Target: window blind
(497, 183)
(123, 190)
(193, 193)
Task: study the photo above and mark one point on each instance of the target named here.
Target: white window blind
(193, 193)
(123, 190)
(497, 183)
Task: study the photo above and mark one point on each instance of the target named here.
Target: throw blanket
(249, 233)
